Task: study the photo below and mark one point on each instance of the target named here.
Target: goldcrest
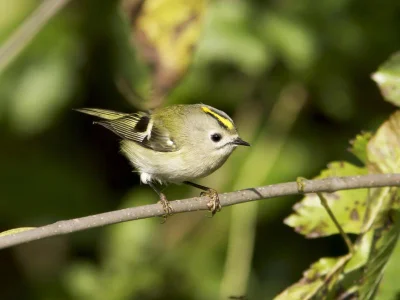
(174, 144)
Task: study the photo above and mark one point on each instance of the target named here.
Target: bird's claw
(213, 205)
(166, 207)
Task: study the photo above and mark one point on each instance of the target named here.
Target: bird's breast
(173, 167)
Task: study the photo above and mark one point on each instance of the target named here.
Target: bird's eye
(216, 137)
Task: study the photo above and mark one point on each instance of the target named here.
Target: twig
(331, 184)
(28, 30)
(344, 235)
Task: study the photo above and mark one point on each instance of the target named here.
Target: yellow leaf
(166, 32)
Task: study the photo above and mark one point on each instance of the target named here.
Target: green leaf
(331, 278)
(382, 216)
(15, 230)
(383, 154)
(360, 275)
(388, 79)
(317, 281)
(389, 288)
(383, 242)
(383, 149)
(310, 217)
(359, 146)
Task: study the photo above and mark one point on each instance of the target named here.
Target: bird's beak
(239, 141)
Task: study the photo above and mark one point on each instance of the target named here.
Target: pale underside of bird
(174, 144)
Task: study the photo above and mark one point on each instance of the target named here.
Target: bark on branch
(329, 185)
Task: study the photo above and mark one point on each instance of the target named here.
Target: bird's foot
(166, 206)
(213, 205)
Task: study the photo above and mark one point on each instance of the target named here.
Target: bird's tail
(102, 113)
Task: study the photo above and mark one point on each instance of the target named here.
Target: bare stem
(28, 30)
(331, 184)
(345, 237)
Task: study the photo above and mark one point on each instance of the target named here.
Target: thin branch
(346, 239)
(329, 185)
(28, 30)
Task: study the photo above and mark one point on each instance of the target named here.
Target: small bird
(174, 144)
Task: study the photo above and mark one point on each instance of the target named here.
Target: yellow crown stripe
(228, 124)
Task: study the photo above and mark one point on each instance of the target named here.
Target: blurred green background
(294, 75)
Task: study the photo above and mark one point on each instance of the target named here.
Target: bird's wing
(102, 113)
(140, 128)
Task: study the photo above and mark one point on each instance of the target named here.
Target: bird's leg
(214, 205)
(163, 201)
